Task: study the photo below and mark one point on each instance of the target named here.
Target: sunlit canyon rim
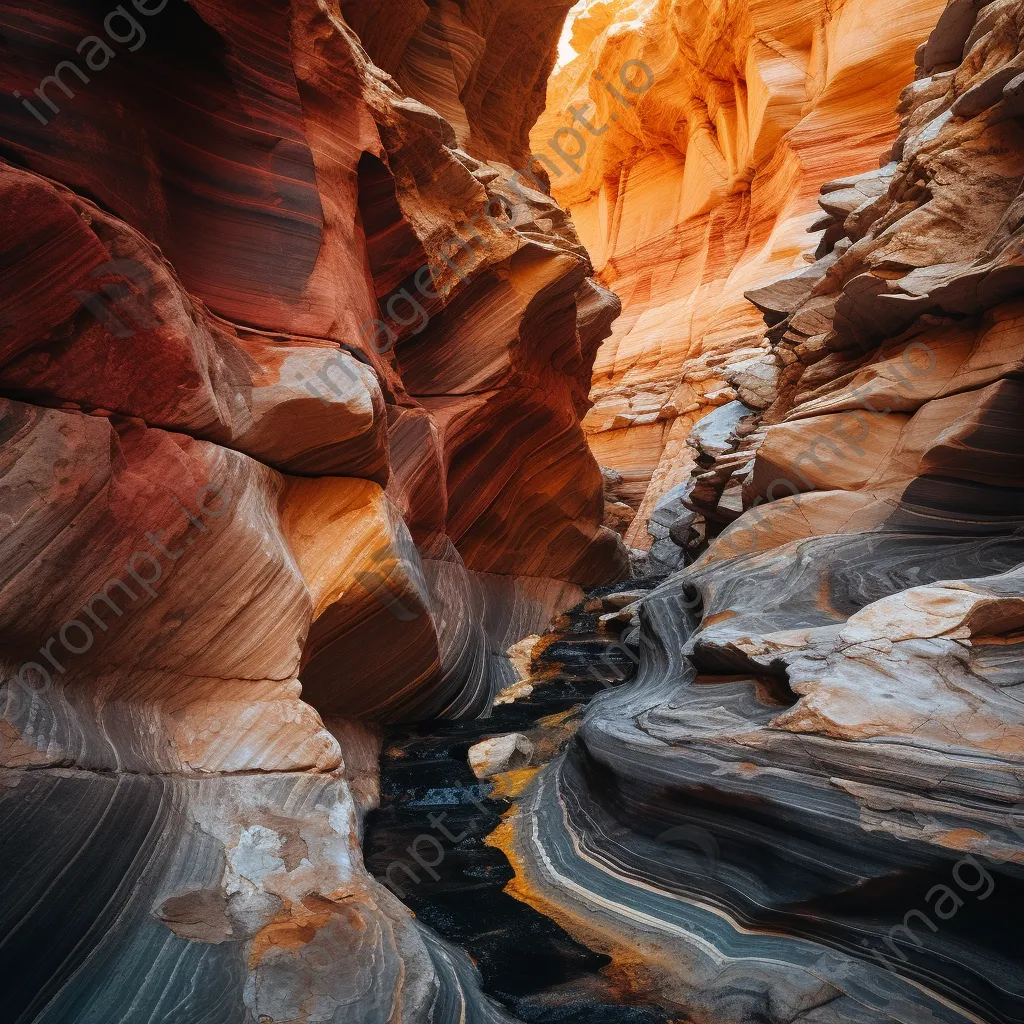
(512, 511)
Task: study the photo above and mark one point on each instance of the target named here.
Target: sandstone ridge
(292, 382)
(807, 805)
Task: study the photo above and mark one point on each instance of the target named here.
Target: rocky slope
(807, 806)
(703, 186)
(291, 395)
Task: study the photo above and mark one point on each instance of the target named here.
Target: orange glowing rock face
(307, 417)
(283, 259)
(290, 434)
(703, 186)
(849, 636)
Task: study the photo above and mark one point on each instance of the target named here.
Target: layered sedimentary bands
(807, 805)
(703, 186)
(294, 378)
(291, 390)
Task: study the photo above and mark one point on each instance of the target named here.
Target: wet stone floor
(432, 804)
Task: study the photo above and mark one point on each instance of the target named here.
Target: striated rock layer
(291, 389)
(807, 805)
(225, 897)
(701, 185)
(482, 64)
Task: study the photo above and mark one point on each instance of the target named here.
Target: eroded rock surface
(808, 804)
(292, 385)
(706, 130)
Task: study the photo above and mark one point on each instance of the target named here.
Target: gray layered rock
(807, 806)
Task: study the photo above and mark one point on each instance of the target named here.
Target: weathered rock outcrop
(291, 398)
(702, 185)
(807, 806)
(482, 64)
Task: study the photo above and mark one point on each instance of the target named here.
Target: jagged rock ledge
(808, 804)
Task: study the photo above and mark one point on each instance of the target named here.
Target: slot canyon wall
(292, 385)
(704, 187)
(807, 806)
(297, 440)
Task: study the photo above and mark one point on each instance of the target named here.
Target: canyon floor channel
(428, 840)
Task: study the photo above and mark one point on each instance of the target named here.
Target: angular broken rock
(500, 754)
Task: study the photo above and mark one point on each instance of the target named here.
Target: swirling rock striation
(221, 897)
(807, 806)
(437, 802)
(290, 398)
(482, 64)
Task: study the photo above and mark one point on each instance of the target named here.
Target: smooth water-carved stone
(500, 754)
(807, 804)
(290, 437)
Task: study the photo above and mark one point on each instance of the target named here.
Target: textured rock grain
(290, 434)
(807, 806)
(703, 186)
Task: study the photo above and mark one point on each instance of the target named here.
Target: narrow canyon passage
(512, 511)
(429, 841)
